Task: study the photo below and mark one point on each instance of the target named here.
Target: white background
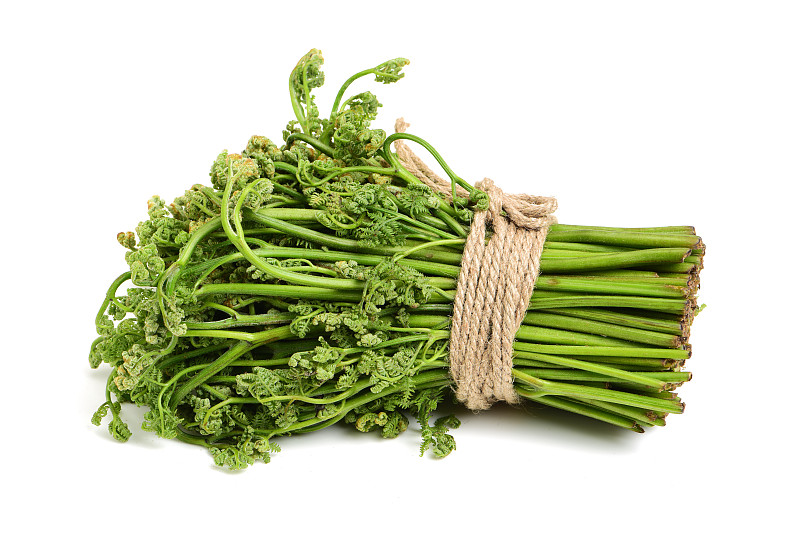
(632, 113)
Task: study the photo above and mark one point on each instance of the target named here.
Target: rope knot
(525, 211)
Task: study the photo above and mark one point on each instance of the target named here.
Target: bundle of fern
(312, 283)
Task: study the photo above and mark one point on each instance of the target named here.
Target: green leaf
(307, 75)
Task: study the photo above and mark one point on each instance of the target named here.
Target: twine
(494, 286)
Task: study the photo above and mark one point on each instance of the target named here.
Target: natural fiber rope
(494, 286)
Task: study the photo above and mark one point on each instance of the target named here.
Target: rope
(494, 286)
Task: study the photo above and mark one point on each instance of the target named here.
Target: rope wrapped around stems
(495, 283)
